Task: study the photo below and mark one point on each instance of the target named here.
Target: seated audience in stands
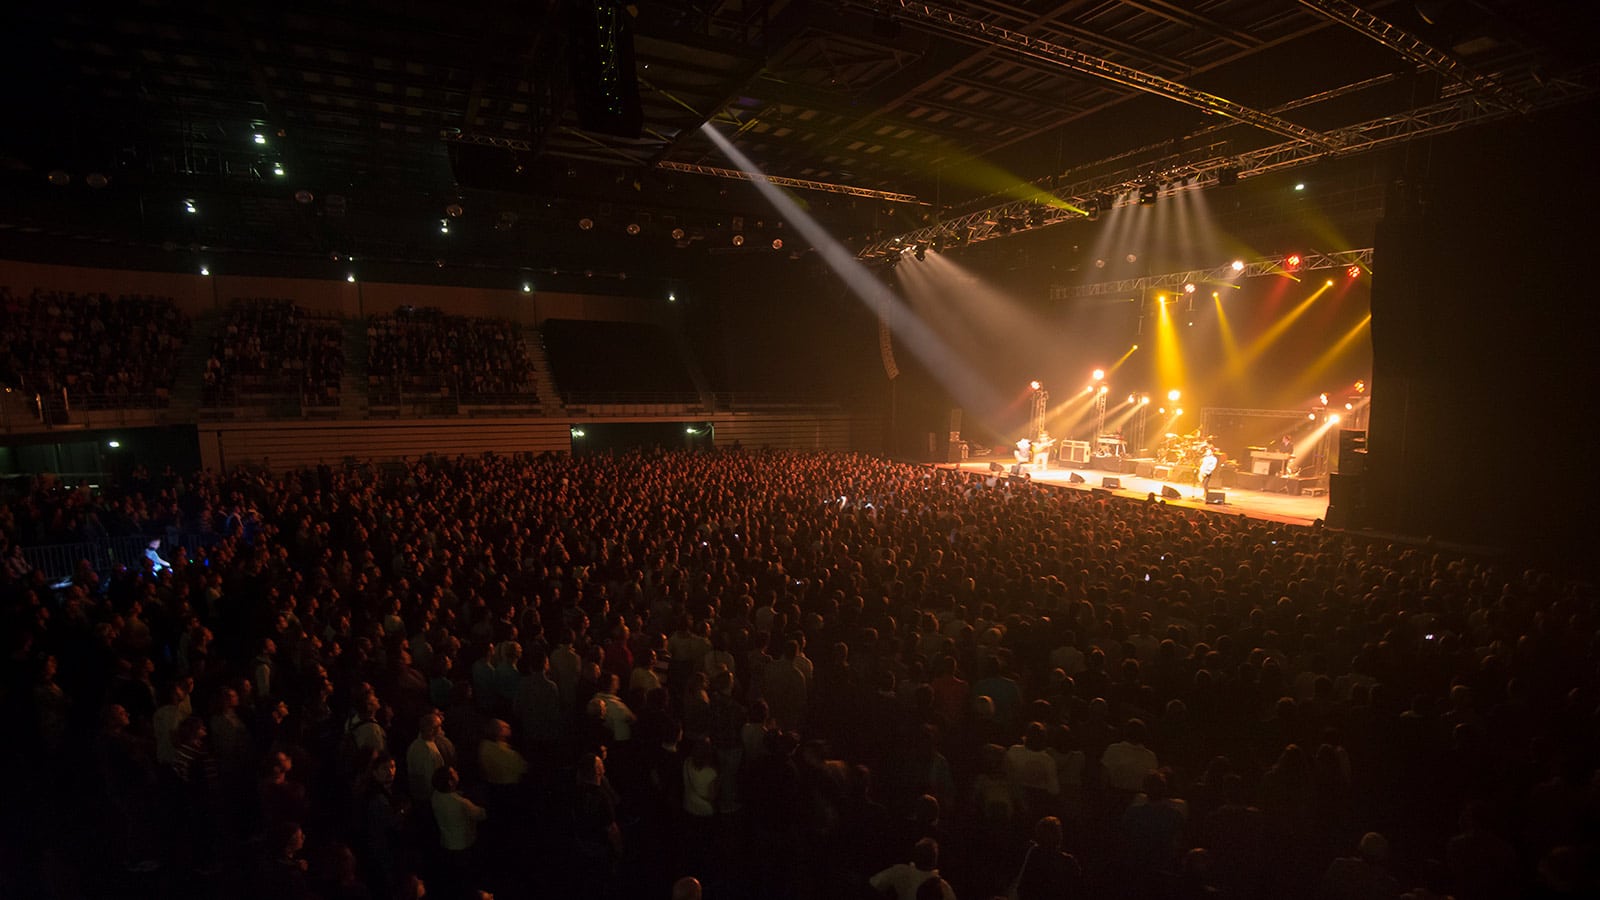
(266, 349)
(424, 353)
(587, 676)
(98, 351)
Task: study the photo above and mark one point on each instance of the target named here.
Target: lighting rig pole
(1099, 414)
(1041, 402)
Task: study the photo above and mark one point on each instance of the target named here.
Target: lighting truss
(962, 26)
(782, 181)
(1310, 260)
(1460, 110)
(1413, 48)
(485, 140)
(1209, 411)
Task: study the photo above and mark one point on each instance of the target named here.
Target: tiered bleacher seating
(101, 352)
(426, 354)
(271, 350)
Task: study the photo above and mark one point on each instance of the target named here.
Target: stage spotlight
(351, 278)
(1104, 389)
(1292, 261)
(1161, 299)
(1311, 416)
(1161, 410)
(677, 234)
(1132, 257)
(59, 178)
(1099, 264)
(1034, 385)
(1323, 399)
(527, 288)
(1189, 288)
(304, 197)
(1349, 406)
(1147, 193)
(1144, 400)
(672, 297)
(261, 139)
(1353, 272)
(738, 240)
(189, 207)
(1238, 265)
(455, 210)
(1099, 374)
(1300, 185)
(1329, 282)
(1361, 387)
(1174, 394)
(632, 229)
(96, 180)
(1135, 347)
(1132, 399)
(921, 252)
(1178, 411)
(1228, 176)
(585, 224)
(205, 270)
(1334, 418)
(113, 444)
(277, 169)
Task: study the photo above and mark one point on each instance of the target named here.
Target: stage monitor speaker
(1111, 483)
(1075, 478)
(1216, 496)
(1170, 492)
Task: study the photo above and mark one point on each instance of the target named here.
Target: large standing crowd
(782, 675)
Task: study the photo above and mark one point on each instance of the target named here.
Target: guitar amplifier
(1215, 497)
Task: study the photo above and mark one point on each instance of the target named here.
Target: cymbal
(1171, 435)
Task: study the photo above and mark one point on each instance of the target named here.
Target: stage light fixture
(1329, 282)
(351, 278)
(672, 297)
(304, 197)
(1189, 288)
(261, 138)
(1323, 399)
(1099, 264)
(1034, 385)
(1292, 261)
(1349, 406)
(1104, 389)
(1161, 299)
(455, 210)
(59, 178)
(1311, 416)
(1333, 418)
(1174, 394)
(1227, 176)
(96, 180)
(1161, 410)
(1353, 272)
(1147, 193)
(1099, 374)
(586, 224)
(1300, 185)
(921, 252)
(738, 240)
(1361, 387)
(1132, 257)
(1178, 411)
(189, 207)
(777, 243)
(1132, 399)
(632, 229)
(527, 288)
(1238, 265)
(204, 270)
(277, 169)
(677, 234)
(113, 444)
(1144, 400)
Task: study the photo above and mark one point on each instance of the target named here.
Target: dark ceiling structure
(492, 133)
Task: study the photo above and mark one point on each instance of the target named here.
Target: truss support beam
(798, 183)
(1413, 48)
(962, 26)
(1065, 203)
(1174, 281)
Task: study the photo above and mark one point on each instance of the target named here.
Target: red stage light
(1292, 261)
(1353, 271)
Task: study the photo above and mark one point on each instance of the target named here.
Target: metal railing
(104, 555)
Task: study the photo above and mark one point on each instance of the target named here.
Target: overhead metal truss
(1310, 261)
(1413, 48)
(782, 181)
(1055, 203)
(955, 23)
(1208, 411)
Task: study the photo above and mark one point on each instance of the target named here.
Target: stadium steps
(188, 383)
(354, 398)
(543, 381)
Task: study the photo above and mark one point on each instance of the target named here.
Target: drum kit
(1186, 450)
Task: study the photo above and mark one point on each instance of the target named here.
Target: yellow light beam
(1169, 353)
(1118, 364)
(1315, 370)
(1271, 335)
(1229, 345)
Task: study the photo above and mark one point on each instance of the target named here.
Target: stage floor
(1286, 508)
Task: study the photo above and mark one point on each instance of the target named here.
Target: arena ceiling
(361, 126)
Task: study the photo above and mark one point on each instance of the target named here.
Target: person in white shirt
(429, 753)
(903, 880)
(168, 717)
(619, 718)
(1128, 761)
(1029, 766)
(458, 819)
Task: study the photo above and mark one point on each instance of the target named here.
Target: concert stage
(1290, 509)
